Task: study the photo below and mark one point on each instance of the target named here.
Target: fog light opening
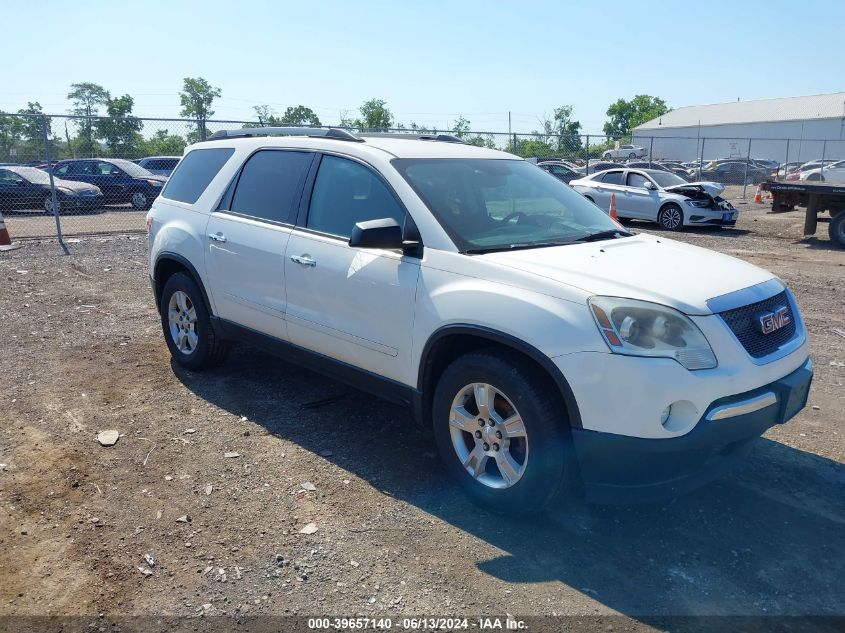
(679, 417)
(664, 417)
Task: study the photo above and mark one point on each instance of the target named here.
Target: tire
(836, 229)
(140, 200)
(540, 458)
(671, 217)
(190, 338)
(606, 156)
(815, 178)
(48, 205)
(632, 156)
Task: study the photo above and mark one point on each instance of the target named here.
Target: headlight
(641, 328)
(701, 204)
(154, 183)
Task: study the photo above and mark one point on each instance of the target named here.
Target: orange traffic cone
(6, 243)
(613, 207)
(758, 197)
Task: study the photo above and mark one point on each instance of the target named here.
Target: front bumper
(623, 469)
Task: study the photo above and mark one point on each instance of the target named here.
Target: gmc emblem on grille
(768, 322)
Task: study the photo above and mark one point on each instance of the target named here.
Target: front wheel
(187, 325)
(48, 206)
(671, 218)
(139, 200)
(632, 156)
(502, 432)
(606, 156)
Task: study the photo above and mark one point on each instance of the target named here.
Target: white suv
(625, 151)
(542, 344)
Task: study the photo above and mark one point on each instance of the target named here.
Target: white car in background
(658, 196)
(835, 172)
(625, 151)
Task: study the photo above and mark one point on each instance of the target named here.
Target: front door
(352, 304)
(640, 202)
(247, 237)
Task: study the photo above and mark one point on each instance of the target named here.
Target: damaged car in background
(658, 196)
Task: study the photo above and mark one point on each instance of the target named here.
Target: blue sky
(431, 61)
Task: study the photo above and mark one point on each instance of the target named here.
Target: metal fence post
(45, 124)
(651, 152)
(701, 158)
(824, 151)
(587, 156)
(786, 161)
(745, 177)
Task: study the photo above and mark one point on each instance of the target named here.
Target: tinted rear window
(269, 184)
(194, 174)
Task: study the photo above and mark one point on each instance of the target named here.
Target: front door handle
(305, 260)
(217, 237)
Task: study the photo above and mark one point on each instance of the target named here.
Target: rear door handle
(305, 260)
(217, 237)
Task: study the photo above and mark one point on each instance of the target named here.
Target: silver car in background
(658, 196)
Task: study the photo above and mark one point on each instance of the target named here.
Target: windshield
(490, 205)
(666, 179)
(134, 170)
(33, 174)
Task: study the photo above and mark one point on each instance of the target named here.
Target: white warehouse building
(787, 129)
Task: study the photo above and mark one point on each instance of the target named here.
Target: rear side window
(269, 184)
(612, 178)
(195, 172)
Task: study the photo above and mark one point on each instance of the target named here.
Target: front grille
(742, 322)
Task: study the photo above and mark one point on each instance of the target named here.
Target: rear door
(351, 304)
(247, 237)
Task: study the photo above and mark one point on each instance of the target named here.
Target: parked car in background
(786, 168)
(121, 181)
(658, 196)
(732, 173)
(29, 187)
(625, 151)
(559, 170)
(597, 166)
(676, 168)
(835, 172)
(159, 165)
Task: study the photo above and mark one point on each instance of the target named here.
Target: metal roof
(826, 106)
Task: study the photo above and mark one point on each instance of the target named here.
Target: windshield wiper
(514, 247)
(604, 235)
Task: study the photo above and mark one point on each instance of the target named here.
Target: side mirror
(650, 185)
(383, 233)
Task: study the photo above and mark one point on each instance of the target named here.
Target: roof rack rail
(443, 138)
(322, 132)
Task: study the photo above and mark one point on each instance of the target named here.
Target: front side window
(269, 184)
(637, 180)
(488, 205)
(347, 192)
(7, 177)
(107, 169)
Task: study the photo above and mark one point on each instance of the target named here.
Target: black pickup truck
(817, 197)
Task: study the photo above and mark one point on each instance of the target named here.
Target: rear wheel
(671, 218)
(606, 156)
(815, 177)
(632, 156)
(501, 431)
(836, 229)
(48, 206)
(186, 324)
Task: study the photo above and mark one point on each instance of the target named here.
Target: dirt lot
(82, 351)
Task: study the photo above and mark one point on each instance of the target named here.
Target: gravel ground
(221, 476)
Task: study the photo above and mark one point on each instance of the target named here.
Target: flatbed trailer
(817, 197)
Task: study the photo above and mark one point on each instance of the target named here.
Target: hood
(712, 188)
(642, 267)
(75, 186)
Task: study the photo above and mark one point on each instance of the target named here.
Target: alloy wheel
(182, 320)
(139, 200)
(488, 435)
(671, 218)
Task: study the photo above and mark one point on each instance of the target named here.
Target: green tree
(300, 115)
(163, 143)
(562, 132)
(266, 116)
(461, 127)
(196, 98)
(10, 136)
(87, 98)
(121, 132)
(626, 115)
(374, 116)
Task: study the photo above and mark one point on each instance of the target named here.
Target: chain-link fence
(67, 175)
